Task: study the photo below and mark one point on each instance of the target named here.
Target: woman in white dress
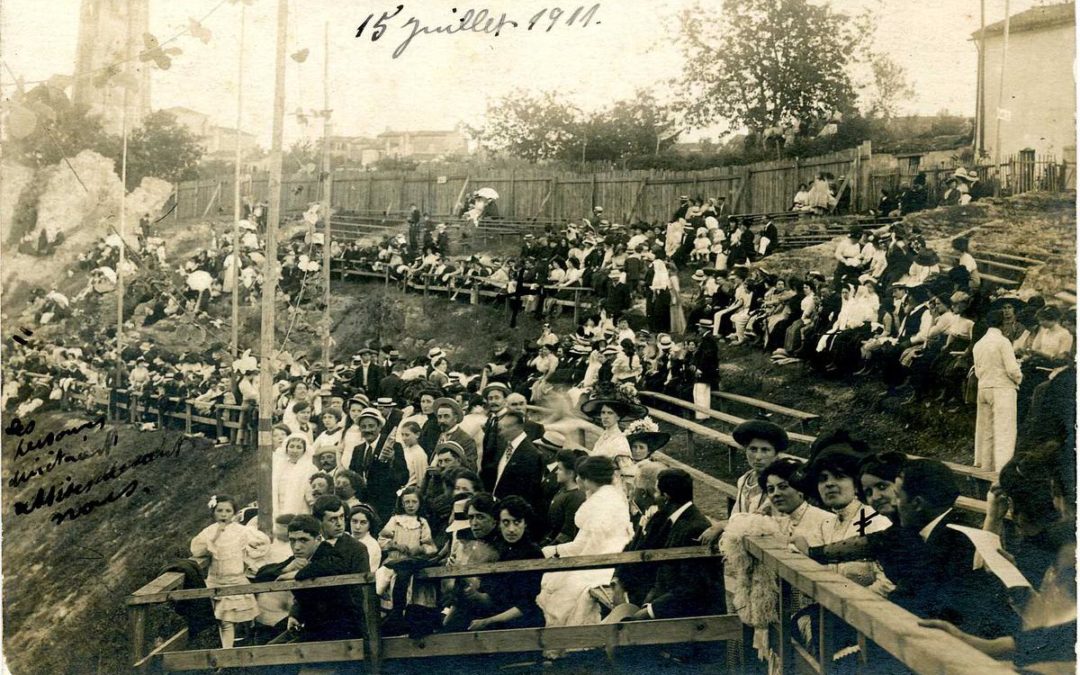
(612, 442)
(603, 523)
(546, 363)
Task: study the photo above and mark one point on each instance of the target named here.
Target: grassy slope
(70, 580)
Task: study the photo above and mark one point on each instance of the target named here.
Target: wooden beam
(584, 562)
(631, 633)
(244, 589)
(177, 641)
(894, 629)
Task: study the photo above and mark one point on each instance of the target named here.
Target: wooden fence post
(137, 623)
(373, 643)
(577, 305)
(555, 200)
(512, 211)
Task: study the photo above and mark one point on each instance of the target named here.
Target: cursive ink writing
(87, 507)
(478, 22)
(473, 21)
(16, 428)
(60, 456)
(57, 493)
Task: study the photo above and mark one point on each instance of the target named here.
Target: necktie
(503, 461)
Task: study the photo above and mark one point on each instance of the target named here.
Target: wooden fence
(547, 196)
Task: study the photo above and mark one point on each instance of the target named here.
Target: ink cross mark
(21, 340)
(863, 521)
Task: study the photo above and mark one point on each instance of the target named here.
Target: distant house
(1038, 109)
(218, 142)
(355, 149)
(423, 145)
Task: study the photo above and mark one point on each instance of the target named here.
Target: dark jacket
(638, 579)
(534, 430)
(332, 613)
(561, 525)
(707, 360)
(687, 587)
(516, 590)
(522, 476)
(373, 385)
(383, 479)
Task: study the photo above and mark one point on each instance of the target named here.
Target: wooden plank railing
(376, 648)
(875, 619)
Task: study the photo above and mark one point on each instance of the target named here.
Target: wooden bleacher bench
(966, 503)
(991, 254)
(733, 420)
(804, 418)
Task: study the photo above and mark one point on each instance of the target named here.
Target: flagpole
(327, 185)
(269, 289)
(235, 337)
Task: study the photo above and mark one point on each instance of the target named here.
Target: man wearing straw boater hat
(706, 367)
(448, 414)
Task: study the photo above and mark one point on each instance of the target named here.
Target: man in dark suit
(638, 579)
(683, 587)
(495, 394)
(946, 586)
(367, 375)
(380, 460)
(519, 468)
(332, 613)
(519, 404)
(448, 415)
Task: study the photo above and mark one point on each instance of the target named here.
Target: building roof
(448, 132)
(1036, 18)
(180, 108)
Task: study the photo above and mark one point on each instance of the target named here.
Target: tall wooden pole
(123, 211)
(235, 341)
(328, 182)
(270, 282)
(980, 85)
(1000, 102)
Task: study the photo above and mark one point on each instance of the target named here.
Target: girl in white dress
(603, 523)
(230, 547)
(292, 476)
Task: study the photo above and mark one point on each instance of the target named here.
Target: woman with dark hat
(762, 442)
(612, 442)
(645, 438)
(783, 482)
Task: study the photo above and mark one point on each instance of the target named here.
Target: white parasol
(487, 193)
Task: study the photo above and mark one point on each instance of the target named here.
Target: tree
(161, 148)
(533, 127)
(889, 88)
(636, 126)
(769, 63)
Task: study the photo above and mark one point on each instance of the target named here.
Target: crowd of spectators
(389, 465)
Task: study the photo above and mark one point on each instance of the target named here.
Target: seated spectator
(478, 544)
(1049, 633)
(326, 613)
(362, 522)
(685, 587)
(783, 482)
(566, 502)
(509, 600)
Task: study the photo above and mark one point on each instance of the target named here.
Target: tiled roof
(1034, 18)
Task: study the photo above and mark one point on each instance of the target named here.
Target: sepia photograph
(632, 336)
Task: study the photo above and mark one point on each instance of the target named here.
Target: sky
(442, 80)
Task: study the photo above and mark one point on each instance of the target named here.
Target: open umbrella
(199, 280)
(487, 193)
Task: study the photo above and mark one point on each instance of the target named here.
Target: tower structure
(107, 60)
